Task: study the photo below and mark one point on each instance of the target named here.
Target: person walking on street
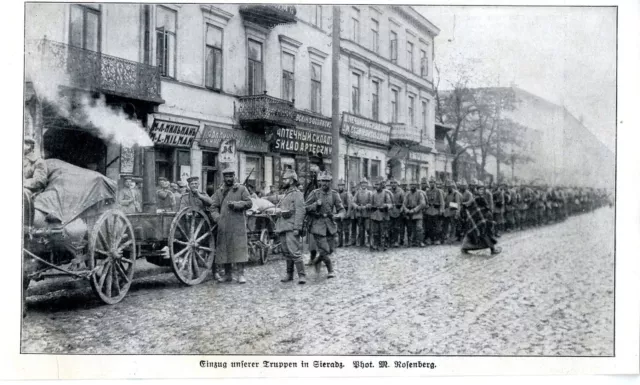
(344, 224)
(229, 204)
(452, 203)
(361, 205)
(413, 205)
(396, 218)
(381, 203)
(289, 226)
(478, 235)
(320, 206)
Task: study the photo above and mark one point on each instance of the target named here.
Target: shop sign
(298, 141)
(245, 141)
(313, 121)
(227, 152)
(419, 156)
(365, 130)
(127, 157)
(173, 134)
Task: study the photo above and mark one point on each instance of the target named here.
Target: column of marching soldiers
(396, 214)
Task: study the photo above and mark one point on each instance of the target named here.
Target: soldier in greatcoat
(129, 197)
(380, 205)
(351, 214)
(467, 195)
(34, 168)
(452, 203)
(289, 226)
(230, 202)
(412, 206)
(322, 206)
(395, 213)
(361, 205)
(434, 213)
(344, 224)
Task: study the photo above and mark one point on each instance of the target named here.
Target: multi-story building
(386, 92)
(196, 74)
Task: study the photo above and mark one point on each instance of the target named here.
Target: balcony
(94, 71)
(256, 111)
(403, 135)
(442, 147)
(426, 144)
(269, 15)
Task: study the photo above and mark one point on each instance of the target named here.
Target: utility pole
(335, 96)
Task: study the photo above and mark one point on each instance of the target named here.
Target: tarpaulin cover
(71, 190)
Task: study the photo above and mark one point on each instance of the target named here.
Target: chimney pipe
(149, 181)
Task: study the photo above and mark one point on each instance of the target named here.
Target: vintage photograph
(317, 179)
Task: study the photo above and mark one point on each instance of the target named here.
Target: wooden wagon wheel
(191, 245)
(112, 256)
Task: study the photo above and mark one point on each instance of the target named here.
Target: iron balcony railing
(266, 109)
(95, 71)
(404, 135)
(269, 15)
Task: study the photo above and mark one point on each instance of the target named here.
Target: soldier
(289, 226)
(452, 203)
(412, 207)
(165, 198)
(344, 224)
(361, 205)
(228, 206)
(194, 197)
(129, 198)
(403, 218)
(352, 213)
(34, 168)
(435, 211)
(396, 232)
(499, 200)
(466, 195)
(381, 203)
(510, 208)
(320, 205)
(478, 233)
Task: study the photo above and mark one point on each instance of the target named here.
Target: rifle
(247, 178)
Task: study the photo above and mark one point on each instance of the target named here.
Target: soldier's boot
(329, 264)
(302, 276)
(241, 278)
(312, 258)
(289, 276)
(316, 264)
(340, 238)
(227, 273)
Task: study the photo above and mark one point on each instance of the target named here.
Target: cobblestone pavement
(549, 293)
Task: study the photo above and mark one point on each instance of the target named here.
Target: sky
(566, 55)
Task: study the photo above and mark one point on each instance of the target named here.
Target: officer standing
(413, 205)
(381, 203)
(289, 226)
(320, 205)
(361, 205)
(395, 213)
(435, 211)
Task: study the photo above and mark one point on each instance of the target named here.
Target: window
(365, 168)
(317, 16)
(253, 170)
(84, 28)
(355, 93)
(316, 88)
(424, 116)
(374, 35)
(354, 169)
(410, 56)
(412, 119)
(424, 65)
(255, 68)
(394, 106)
(146, 37)
(393, 47)
(166, 41)
(355, 28)
(288, 76)
(213, 62)
(209, 169)
(375, 168)
(375, 101)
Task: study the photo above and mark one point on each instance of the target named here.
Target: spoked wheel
(191, 245)
(265, 245)
(112, 256)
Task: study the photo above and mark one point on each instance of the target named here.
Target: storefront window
(209, 170)
(164, 163)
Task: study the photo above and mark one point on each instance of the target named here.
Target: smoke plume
(109, 123)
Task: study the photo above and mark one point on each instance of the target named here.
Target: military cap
(364, 180)
(403, 182)
(432, 179)
(378, 179)
(474, 182)
(162, 179)
(289, 173)
(393, 180)
(228, 169)
(480, 183)
(423, 180)
(448, 183)
(413, 182)
(352, 183)
(29, 139)
(341, 181)
(182, 183)
(462, 182)
(128, 179)
(324, 175)
(193, 179)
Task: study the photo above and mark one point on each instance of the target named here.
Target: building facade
(194, 75)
